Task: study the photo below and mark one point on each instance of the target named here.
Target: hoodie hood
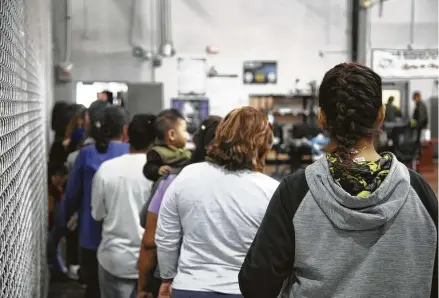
(353, 213)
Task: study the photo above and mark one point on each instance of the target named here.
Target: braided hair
(109, 127)
(351, 97)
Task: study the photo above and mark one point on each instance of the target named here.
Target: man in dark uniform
(420, 115)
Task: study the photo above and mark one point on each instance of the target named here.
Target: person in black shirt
(420, 115)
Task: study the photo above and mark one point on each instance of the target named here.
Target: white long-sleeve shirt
(119, 191)
(220, 213)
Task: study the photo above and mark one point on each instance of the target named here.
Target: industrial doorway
(400, 91)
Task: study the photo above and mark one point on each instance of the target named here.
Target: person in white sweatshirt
(118, 193)
(219, 204)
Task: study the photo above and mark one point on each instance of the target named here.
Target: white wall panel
(289, 31)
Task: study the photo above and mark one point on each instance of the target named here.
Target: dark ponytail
(351, 97)
(141, 131)
(204, 137)
(109, 127)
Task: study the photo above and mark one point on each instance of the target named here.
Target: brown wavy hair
(242, 140)
(73, 123)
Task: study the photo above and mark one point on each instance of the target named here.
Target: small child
(169, 151)
(57, 179)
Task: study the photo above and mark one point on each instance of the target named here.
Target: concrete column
(363, 33)
(359, 30)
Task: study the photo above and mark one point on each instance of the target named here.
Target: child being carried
(169, 151)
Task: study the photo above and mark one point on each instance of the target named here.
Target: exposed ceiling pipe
(85, 34)
(132, 24)
(137, 49)
(68, 33)
(64, 68)
(154, 36)
(161, 21)
(166, 43)
(412, 26)
(155, 27)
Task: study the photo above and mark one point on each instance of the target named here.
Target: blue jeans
(194, 294)
(116, 287)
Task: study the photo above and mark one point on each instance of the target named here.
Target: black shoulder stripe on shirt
(268, 264)
(428, 198)
(425, 194)
(270, 259)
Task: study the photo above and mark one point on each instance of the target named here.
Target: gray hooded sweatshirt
(339, 245)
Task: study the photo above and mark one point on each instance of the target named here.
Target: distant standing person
(420, 115)
(106, 96)
(392, 112)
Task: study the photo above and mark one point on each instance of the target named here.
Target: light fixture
(367, 4)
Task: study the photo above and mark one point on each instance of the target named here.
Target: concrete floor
(66, 289)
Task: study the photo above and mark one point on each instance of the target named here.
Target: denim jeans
(116, 287)
(196, 294)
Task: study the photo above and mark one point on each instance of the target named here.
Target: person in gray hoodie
(353, 224)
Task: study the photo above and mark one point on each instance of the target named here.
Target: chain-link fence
(24, 94)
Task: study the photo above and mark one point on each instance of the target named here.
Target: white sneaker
(72, 273)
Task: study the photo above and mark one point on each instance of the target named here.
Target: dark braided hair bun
(351, 97)
(109, 126)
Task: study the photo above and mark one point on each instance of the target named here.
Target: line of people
(72, 124)
(156, 220)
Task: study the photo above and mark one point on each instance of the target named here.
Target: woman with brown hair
(219, 204)
(75, 130)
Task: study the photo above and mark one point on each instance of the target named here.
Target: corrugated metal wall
(25, 98)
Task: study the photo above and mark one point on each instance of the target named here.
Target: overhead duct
(68, 52)
(412, 25)
(137, 49)
(64, 69)
(165, 16)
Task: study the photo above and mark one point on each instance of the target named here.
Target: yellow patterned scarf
(367, 179)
